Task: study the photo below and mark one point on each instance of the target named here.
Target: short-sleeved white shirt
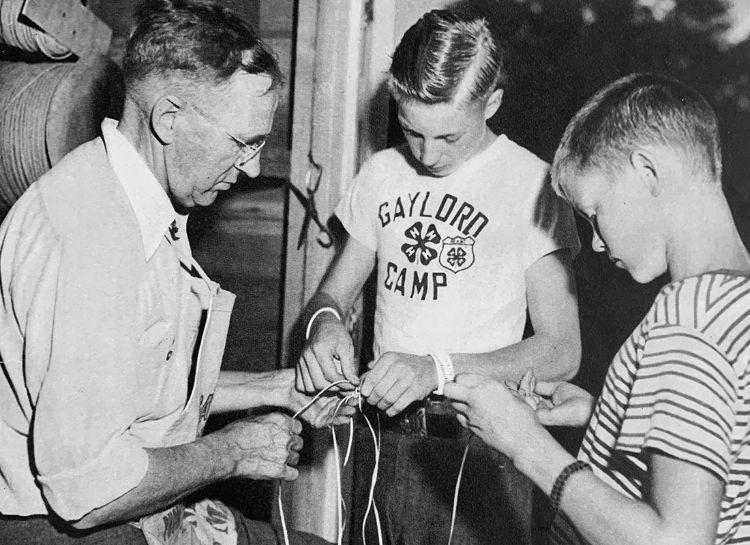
(452, 252)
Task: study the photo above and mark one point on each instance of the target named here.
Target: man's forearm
(173, 472)
(551, 358)
(242, 390)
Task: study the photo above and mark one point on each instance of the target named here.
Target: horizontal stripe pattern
(679, 385)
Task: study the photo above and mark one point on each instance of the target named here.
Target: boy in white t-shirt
(467, 236)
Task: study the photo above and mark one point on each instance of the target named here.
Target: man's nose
(252, 167)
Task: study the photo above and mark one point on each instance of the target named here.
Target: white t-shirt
(452, 251)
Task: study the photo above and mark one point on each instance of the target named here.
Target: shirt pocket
(156, 374)
(156, 334)
(156, 343)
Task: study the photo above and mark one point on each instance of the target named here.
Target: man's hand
(321, 413)
(328, 357)
(396, 379)
(569, 405)
(499, 416)
(263, 447)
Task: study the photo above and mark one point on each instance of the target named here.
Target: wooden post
(325, 127)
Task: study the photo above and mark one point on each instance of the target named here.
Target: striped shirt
(679, 385)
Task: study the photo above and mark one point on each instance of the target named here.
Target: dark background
(559, 53)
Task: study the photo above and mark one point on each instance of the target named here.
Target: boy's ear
(648, 171)
(162, 120)
(493, 103)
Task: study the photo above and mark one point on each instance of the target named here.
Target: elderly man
(111, 335)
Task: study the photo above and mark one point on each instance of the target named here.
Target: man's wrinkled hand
(264, 447)
(396, 379)
(328, 357)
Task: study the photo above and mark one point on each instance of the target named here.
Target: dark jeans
(415, 487)
(43, 531)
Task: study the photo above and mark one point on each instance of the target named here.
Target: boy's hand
(569, 405)
(396, 379)
(328, 357)
(526, 390)
(498, 415)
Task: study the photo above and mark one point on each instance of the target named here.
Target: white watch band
(446, 373)
(318, 313)
(440, 374)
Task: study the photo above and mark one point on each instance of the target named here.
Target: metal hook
(312, 183)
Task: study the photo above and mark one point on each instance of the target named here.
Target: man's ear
(493, 103)
(163, 115)
(648, 170)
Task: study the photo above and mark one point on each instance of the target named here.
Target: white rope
(283, 520)
(371, 496)
(455, 493)
(317, 397)
(341, 504)
(371, 504)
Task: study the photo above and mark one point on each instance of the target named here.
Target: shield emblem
(457, 253)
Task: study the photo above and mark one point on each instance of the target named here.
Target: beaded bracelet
(556, 495)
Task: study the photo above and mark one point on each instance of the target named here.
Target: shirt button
(169, 355)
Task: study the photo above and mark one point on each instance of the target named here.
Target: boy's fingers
(546, 388)
(544, 404)
(457, 391)
(347, 364)
(525, 384)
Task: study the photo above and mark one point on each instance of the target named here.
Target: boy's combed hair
(639, 109)
(197, 39)
(447, 54)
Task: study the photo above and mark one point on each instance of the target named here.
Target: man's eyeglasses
(248, 151)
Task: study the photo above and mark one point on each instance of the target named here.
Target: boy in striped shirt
(667, 441)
